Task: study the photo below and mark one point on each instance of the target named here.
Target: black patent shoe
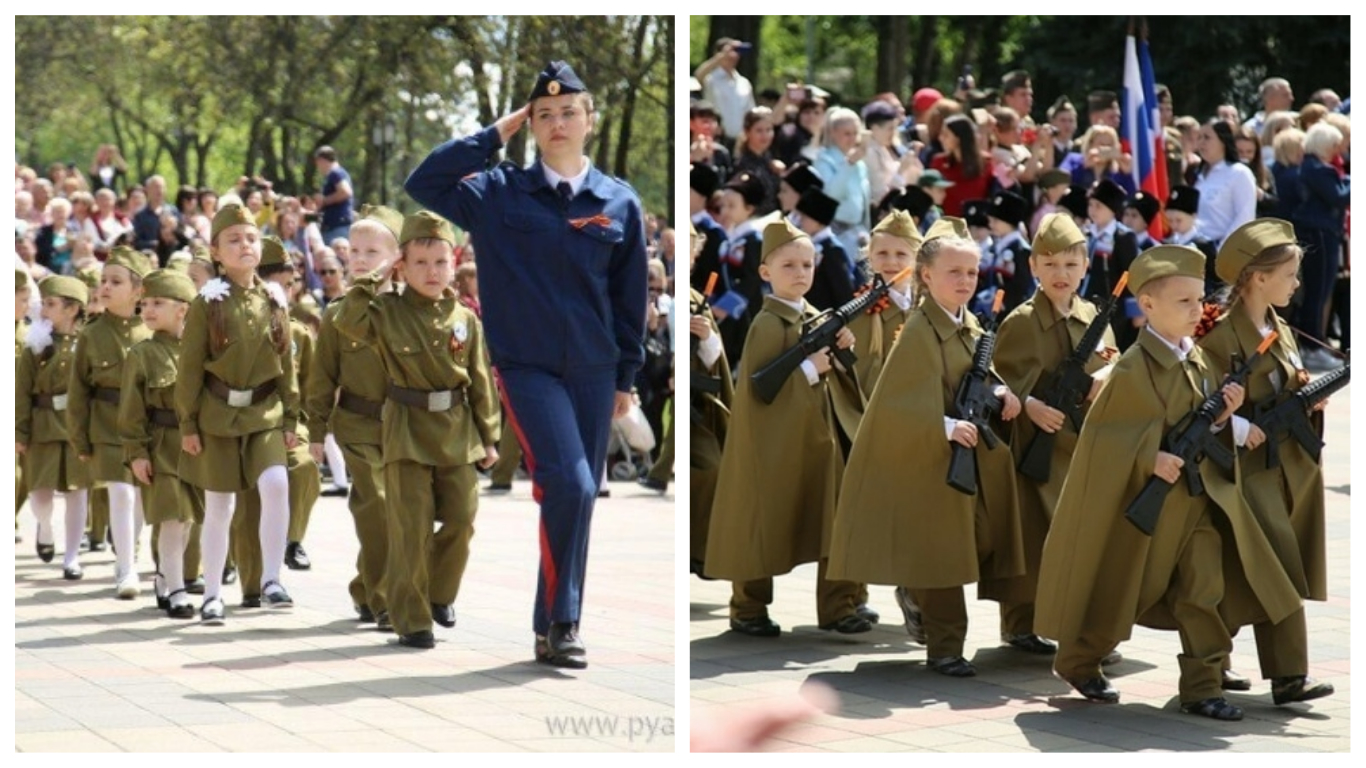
(196, 587)
(1031, 643)
(910, 615)
(212, 612)
(73, 572)
(759, 626)
(45, 551)
(179, 610)
(296, 558)
(1232, 681)
(953, 666)
(1094, 688)
(420, 639)
(443, 615)
(277, 598)
(562, 647)
(866, 612)
(383, 623)
(364, 614)
(251, 601)
(1216, 709)
(852, 624)
(695, 567)
(159, 592)
(230, 574)
(1285, 690)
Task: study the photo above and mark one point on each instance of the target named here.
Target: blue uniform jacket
(561, 284)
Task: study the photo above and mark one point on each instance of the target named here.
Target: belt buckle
(439, 401)
(239, 398)
(59, 402)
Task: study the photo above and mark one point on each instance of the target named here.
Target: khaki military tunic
(20, 482)
(238, 443)
(50, 462)
(149, 376)
(93, 422)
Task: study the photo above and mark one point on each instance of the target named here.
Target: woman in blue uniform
(562, 270)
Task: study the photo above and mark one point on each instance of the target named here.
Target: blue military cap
(556, 79)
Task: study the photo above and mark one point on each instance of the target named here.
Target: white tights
(171, 543)
(273, 486)
(125, 520)
(336, 462)
(42, 501)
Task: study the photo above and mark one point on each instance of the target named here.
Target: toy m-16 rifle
(1288, 414)
(976, 402)
(767, 381)
(1191, 440)
(1067, 390)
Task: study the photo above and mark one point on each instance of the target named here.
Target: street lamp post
(383, 138)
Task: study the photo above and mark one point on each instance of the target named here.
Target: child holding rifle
(780, 471)
(1037, 340)
(709, 411)
(892, 247)
(900, 523)
(1260, 262)
(1099, 574)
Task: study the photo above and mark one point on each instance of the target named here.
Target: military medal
(459, 335)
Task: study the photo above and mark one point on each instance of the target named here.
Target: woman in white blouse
(1228, 190)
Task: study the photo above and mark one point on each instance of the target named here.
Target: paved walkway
(97, 674)
(890, 702)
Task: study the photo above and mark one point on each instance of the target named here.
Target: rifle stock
(975, 403)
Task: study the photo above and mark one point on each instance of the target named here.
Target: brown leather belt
(107, 394)
(50, 402)
(237, 398)
(434, 401)
(163, 417)
(360, 405)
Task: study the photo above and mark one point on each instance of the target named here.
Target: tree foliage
(1206, 61)
(204, 100)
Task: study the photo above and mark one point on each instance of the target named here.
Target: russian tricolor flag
(1141, 126)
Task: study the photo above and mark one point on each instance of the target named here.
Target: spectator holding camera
(841, 167)
(728, 90)
(108, 169)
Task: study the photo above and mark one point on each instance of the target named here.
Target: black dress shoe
(953, 666)
(276, 598)
(98, 546)
(1232, 681)
(695, 567)
(865, 612)
(196, 587)
(382, 622)
(910, 615)
(420, 639)
(229, 574)
(498, 487)
(251, 601)
(46, 551)
(1285, 690)
(759, 626)
(562, 647)
(296, 558)
(1111, 658)
(73, 572)
(1031, 643)
(443, 615)
(852, 624)
(1215, 708)
(653, 484)
(364, 613)
(335, 491)
(1094, 688)
(177, 610)
(604, 492)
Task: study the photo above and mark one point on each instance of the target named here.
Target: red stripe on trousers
(547, 560)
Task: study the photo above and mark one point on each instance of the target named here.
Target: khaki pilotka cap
(901, 225)
(1165, 261)
(168, 284)
(90, 276)
(228, 216)
(391, 219)
(948, 226)
(425, 225)
(65, 287)
(273, 252)
(22, 279)
(1057, 232)
(129, 259)
(179, 261)
(1248, 242)
(778, 234)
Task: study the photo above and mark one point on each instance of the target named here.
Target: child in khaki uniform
(345, 397)
(40, 427)
(780, 470)
(92, 417)
(1099, 574)
(150, 432)
(22, 290)
(441, 416)
(1260, 261)
(237, 400)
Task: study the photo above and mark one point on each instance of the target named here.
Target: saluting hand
(509, 124)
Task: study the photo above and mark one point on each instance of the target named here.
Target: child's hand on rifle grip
(700, 327)
(821, 359)
(1255, 437)
(844, 339)
(1046, 418)
(1010, 404)
(965, 434)
(1168, 467)
(1233, 400)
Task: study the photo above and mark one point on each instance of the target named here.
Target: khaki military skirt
(231, 464)
(106, 465)
(54, 466)
(170, 499)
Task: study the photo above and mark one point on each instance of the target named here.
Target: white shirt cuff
(1240, 430)
(809, 368)
(709, 350)
(948, 427)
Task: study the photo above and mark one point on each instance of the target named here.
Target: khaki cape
(708, 438)
(1099, 573)
(898, 521)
